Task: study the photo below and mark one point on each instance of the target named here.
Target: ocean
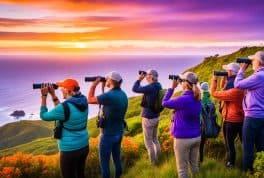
(18, 73)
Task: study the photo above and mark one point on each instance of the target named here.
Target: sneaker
(229, 165)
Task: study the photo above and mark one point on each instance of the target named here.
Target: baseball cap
(258, 56)
(190, 77)
(152, 72)
(204, 86)
(232, 66)
(69, 84)
(114, 76)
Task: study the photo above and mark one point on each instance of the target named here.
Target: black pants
(72, 163)
(203, 139)
(231, 130)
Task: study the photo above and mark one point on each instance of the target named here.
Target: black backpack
(156, 106)
(57, 131)
(210, 128)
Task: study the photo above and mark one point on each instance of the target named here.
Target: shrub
(259, 165)
(215, 148)
(22, 165)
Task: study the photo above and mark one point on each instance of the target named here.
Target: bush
(129, 153)
(259, 165)
(166, 140)
(215, 148)
(22, 165)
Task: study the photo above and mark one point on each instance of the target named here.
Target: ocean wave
(2, 109)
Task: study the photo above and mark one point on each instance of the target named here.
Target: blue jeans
(253, 134)
(110, 144)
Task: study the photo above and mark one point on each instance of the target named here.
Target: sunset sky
(129, 27)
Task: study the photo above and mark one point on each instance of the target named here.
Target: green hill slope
(46, 146)
(205, 69)
(21, 132)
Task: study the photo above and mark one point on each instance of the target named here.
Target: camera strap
(100, 111)
(66, 118)
(66, 110)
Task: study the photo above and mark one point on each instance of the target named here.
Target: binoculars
(142, 72)
(220, 73)
(244, 60)
(174, 77)
(39, 85)
(91, 79)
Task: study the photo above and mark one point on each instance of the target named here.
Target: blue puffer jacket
(77, 137)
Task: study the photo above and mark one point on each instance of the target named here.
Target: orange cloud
(81, 25)
(75, 5)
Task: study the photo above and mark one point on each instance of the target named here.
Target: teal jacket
(70, 140)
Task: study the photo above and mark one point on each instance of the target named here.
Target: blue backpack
(210, 128)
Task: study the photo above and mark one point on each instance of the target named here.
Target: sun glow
(80, 45)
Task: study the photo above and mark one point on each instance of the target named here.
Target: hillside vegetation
(205, 69)
(21, 132)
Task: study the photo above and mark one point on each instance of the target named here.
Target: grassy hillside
(21, 132)
(46, 146)
(205, 69)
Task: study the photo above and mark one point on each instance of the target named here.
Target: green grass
(21, 132)
(166, 168)
(46, 146)
(210, 168)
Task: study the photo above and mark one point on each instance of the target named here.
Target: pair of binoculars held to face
(86, 79)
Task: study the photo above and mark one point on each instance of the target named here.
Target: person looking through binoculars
(231, 109)
(115, 103)
(71, 125)
(253, 105)
(185, 123)
(150, 118)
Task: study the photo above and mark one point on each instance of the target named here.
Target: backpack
(210, 128)
(157, 107)
(57, 131)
